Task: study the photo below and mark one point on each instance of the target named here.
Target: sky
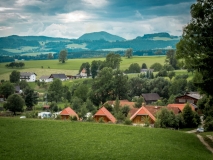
(73, 18)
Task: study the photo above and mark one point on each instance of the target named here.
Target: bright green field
(55, 139)
(71, 66)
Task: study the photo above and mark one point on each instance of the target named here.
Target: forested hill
(100, 36)
(35, 46)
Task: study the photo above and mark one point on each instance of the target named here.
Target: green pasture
(164, 38)
(114, 49)
(57, 139)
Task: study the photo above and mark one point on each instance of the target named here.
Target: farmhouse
(190, 97)
(150, 97)
(147, 70)
(83, 73)
(28, 76)
(60, 76)
(105, 114)
(67, 113)
(44, 78)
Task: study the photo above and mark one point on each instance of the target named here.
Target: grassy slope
(48, 139)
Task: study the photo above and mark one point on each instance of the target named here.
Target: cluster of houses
(31, 76)
(139, 115)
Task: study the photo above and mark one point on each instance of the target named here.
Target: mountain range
(95, 41)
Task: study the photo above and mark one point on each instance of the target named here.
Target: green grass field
(71, 66)
(56, 139)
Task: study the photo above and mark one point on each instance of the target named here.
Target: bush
(127, 121)
(208, 126)
(73, 118)
(58, 117)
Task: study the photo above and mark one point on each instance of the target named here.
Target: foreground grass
(51, 139)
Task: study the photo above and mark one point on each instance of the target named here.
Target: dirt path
(204, 143)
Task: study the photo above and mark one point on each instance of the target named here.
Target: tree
(7, 89)
(128, 53)
(144, 66)
(133, 68)
(188, 116)
(15, 103)
(171, 75)
(62, 56)
(120, 85)
(171, 59)
(113, 60)
(31, 98)
(55, 91)
(139, 102)
(14, 76)
(23, 84)
(94, 68)
(156, 67)
(195, 46)
(50, 56)
(103, 86)
(81, 92)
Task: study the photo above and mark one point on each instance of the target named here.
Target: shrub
(58, 117)
(127, 121)
(208, 126)
(73, 118)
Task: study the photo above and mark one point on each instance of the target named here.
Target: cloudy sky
(72, 18)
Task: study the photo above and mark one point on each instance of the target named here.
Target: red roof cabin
(105, 114)
(67, 113)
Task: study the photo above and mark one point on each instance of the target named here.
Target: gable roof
(143, 111)
(194, 95)
(59, 76)
(104, 112)
(181, 106)
(151, 96)
(26, 74)
(68, 111)
(44, 77)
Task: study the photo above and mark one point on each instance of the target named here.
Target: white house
(60, 76)
(28, 76)
(45, 79)
(83, 73)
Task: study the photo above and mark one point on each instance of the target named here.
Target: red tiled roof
(180, 106)
(143, 111)
(104, 112)
(132, 111)
(69, 111)
(123, 103)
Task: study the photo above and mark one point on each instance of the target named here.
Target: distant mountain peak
(100, 35)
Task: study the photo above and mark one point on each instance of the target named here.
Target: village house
(44, 78)
(105, 115)
(60, 76)
(67, 113)
(190, 97)
(150, 97)
(28, 76)
(83, 73)
(122, 103)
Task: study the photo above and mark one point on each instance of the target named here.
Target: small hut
(67, 113)
(105, 114)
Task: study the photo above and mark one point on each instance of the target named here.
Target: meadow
(57, 139)
(71, 66)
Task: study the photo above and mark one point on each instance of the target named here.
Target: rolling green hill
(57, 139)
(100, 35)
